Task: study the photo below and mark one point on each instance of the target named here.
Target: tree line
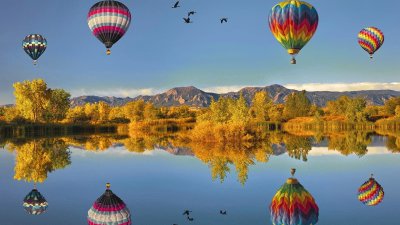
(36, 103)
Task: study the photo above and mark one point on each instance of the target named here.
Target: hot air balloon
(109, 20)
(371, 39)
(293, 23)
(371, 192)
(34, 45)
(35, 203)
(109, 209)
(293, 205)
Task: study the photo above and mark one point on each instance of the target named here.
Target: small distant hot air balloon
(109, 20)
(293, 23)
(35, 203)
(371, 192)
(34, 45)
(293, 205)
(371, 39)
(109, 209)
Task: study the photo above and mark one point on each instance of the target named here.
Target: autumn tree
(297, 104)
(77, 115)
(275, 112)
(397, 111)
(239, 111)
(117, 115)
(12, 114)
(37, 103)
(150, 112)
(104, 111)
(261, 105)
(134, 111)
(58, 105)
(390, 105)
(352, 108)
(32, 98)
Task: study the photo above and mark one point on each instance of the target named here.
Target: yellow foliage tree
(35, 159)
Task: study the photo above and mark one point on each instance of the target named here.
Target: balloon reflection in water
(371, 192)
(109, 209)
(293, 205)
(35, 203)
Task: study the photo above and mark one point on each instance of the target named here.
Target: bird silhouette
(190, 219)
(187, 20)
(224, 20)
(186, 212)
(176, 5)
(222, 212)
(191, 13)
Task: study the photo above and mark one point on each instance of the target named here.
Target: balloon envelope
(35, 203)
(109, 209)
(371, 39)
(293, 205)
(293, 23)
(371, 193)
(109, 20)
(34, 45)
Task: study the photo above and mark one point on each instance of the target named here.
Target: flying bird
(186, 212)
(191, 13)
(224, 20)
(176, 5)
(187, 20)
(190, 219)
(222, 212)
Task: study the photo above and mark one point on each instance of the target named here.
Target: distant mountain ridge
(195, 97)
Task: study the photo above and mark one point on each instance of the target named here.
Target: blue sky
(160, 51)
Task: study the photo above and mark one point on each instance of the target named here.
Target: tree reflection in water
(35, 158)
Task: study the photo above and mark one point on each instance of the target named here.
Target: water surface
(158, 181)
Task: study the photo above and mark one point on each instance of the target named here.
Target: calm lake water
(158, 184)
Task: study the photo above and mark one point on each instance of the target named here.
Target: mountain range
(195, 97)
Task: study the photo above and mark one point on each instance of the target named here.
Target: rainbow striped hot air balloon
(293, 23)
(109, 209)
(35, 203)
(371, 193)
(109, 21)
(371, 39)
(293, 205)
